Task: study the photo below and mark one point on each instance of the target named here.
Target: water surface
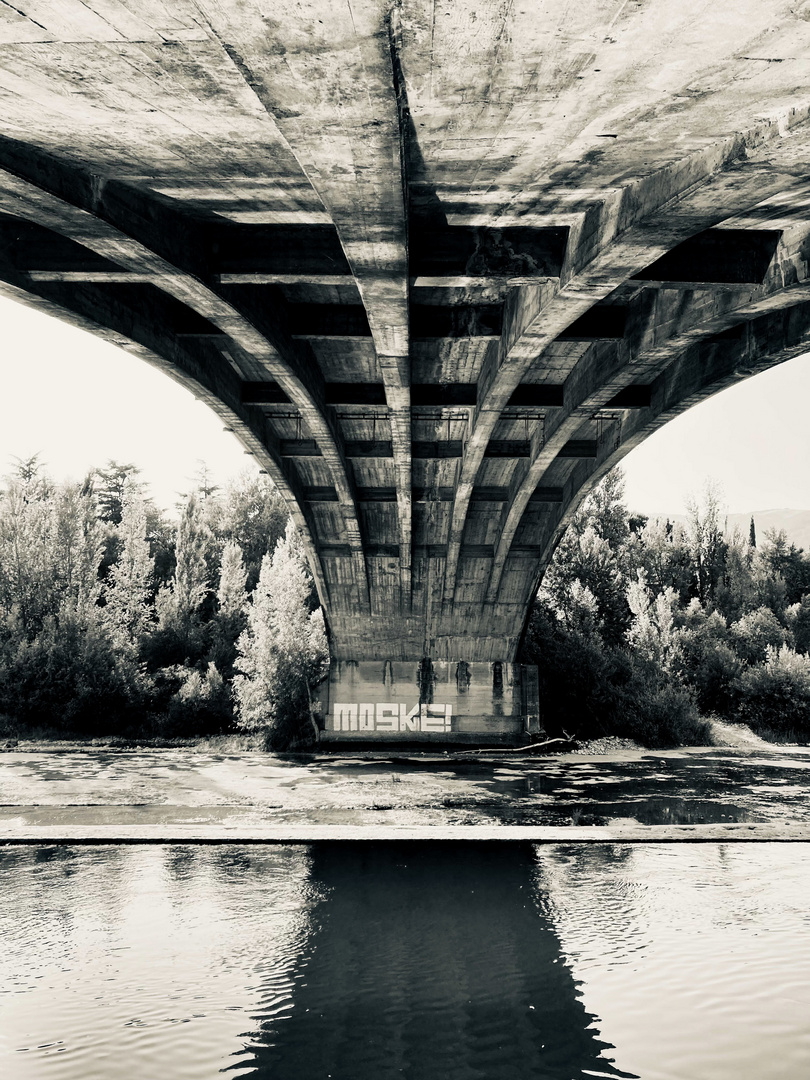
(374, 961)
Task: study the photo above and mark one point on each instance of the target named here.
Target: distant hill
(796, 523)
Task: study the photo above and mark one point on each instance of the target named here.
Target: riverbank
(194, 792)
(723, 735)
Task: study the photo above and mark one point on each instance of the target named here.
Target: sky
(57, 384)
(79, 401)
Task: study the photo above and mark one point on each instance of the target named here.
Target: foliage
(797, 619)
(113, 619)
(775, 695)
(282, 651)
(111, 483)
(704, 660)
(755, 633)
(592, 689)
(181, 636)
(252, 514)
(590, 566)
(231, 616)
(641, 627)
(50, 550)
(70, 677)
(652, 632)
(116, 619)
(129, 585)
(704, 538)
(200, 704)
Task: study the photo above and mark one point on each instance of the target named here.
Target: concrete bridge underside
(438, 266)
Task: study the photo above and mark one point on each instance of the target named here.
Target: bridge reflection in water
(349, 962)
(424, 962)
(373, 961)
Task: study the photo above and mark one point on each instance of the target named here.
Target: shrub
(200, 705)
(661, 715)
(281, 653)
(775, 695)
(592, 690)
(755, 632)
(798, 619)
(71, 679)
(711, 669)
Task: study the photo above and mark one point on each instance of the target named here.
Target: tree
(660, 549)
(50, 550)
(230, 619)
(128, 590)
(739, 589)
(231, 596)
(704, 660)
(782, 561)
(706, 544)
(204, 486)
(191, 577)
(775, 695)
(585, 560)
(252, 513)
(181, 635)
(756, 632)
(797, 618)
(27, 470)
(282, 651)
(652, 631)
(112, 482)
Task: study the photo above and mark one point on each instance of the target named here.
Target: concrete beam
(350, 147)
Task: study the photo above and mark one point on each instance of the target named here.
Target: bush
(661, 715)
(592, 690)
(71, 679)
(775, 695)
(710, 668)
(756, 632)
(200, 705)
(798, 619)
(574, 675)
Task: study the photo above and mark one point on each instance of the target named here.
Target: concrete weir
(438, 267)
(43, 836)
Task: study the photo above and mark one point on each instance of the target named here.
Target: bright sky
(753, 439)
(79, 401)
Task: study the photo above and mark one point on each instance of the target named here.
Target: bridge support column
(429, 702)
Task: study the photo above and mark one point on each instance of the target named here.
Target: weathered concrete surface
(45, 835)
(437, 266)
(172, 795)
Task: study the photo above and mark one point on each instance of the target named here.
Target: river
(428, 962)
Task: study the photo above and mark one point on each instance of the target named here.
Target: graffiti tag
(384, 716)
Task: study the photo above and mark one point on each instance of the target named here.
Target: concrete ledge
(45, 835)
(351, 743)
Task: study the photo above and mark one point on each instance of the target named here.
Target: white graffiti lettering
(385, 716)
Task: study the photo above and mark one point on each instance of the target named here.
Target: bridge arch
(435, 283)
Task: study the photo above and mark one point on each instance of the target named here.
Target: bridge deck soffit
(436, 283)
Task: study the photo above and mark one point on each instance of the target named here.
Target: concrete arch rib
(340, 113)
(696, 194)
(80, 207)
(183, 369)
(701, 371)
(655, 346)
